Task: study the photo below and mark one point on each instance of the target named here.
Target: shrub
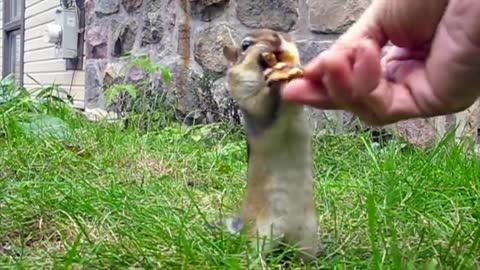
(140, 104)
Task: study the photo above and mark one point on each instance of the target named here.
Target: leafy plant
(117, 89)
(140, 103)
(143, 61)
(41, 112)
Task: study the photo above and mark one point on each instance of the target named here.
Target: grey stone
(450, 121)
(280, 15)
(309, 49)
(323, 120)
(135, 74)
(209, 47)
(154, 4)
(199, 97)
(106, 7)
(93, 84)
(97, 114)
(334, 16)
(207, 10)
(98, 52)
(169, 15)
(350, 122)
(124, 39)
(153, 30)
(96, 39)
(465, 124)
(89, 10)
(472, 121)
(113, 73)
(419, 132)
(165, 51)
(227, 107)
(184, 93)
(131, 5)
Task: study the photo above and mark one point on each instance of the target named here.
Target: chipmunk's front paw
(279, 71)
(232, 225)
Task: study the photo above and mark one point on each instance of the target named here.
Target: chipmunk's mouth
(270, 59)
(279, 67)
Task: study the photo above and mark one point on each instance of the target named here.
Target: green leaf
(166, 76)
(131, 90)
(47, 126)
(8, 96)
(8, 80)
(196, 137)
(110, 93)
(114, 90)
(126, 55)
(44, 91)
(53, 93)
(60, 100)
(9, 89)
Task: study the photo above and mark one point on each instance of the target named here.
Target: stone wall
(188, 35)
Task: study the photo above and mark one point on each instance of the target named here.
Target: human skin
(432, 69)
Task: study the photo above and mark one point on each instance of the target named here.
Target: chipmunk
(278, 204)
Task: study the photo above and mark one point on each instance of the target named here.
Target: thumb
(310, 90)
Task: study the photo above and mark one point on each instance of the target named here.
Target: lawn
(99, 196)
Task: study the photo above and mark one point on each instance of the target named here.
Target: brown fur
(278, 200)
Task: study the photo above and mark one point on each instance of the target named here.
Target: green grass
(108, 198)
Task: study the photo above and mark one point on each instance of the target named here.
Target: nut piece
(295, 73)
(286, 57)
(280, 66)
(269, 58)
(277, 76)
(280, 71)
(283, 75)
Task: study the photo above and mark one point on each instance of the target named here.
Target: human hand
(433, 68)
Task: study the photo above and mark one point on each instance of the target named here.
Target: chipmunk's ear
(231, 53)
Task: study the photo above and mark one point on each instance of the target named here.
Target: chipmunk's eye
(246, 43)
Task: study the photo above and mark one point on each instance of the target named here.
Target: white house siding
(40, 62)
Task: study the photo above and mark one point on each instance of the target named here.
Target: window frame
(11, 26)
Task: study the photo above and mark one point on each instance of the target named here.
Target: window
(14, 10)
(13, 36)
